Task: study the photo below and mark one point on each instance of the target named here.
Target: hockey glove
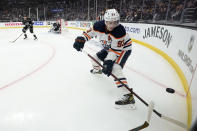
(24, 30)
(79, 43)
(108, 65)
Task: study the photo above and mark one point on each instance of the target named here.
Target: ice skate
(25, 36)
(35, 37)
(95, 71)
(127, 102)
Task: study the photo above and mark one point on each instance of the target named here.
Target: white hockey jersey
(115, 42)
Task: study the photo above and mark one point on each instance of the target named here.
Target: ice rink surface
(46, 85)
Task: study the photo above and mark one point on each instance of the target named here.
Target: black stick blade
(146, 124)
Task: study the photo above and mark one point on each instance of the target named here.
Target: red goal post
(62, 25)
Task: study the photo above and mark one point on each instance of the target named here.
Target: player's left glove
(79, 43)
(108, 65)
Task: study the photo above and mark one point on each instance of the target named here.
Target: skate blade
(126, 107)
(96, 73)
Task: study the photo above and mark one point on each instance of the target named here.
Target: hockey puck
(170, 90)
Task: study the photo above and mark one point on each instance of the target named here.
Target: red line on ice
(34, 71)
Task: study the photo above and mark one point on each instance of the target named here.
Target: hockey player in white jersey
(116, 50)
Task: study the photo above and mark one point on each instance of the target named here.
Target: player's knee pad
(117, 71)
(96, 58)
(102, 54)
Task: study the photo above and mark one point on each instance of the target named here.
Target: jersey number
(120, 43)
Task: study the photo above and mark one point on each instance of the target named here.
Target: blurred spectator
(128, 17)
(177, 14)
(101, 16)
(135, 17)
(130, 10)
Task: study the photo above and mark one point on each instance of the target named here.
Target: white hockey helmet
(111, 15)
(112, 19)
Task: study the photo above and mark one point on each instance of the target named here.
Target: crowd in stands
(160, 10)
(130, 10)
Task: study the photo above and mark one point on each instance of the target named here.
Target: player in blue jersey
(116, 49)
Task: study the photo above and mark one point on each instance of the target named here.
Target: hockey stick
(143, 101)
(16, 38)
(146, 123)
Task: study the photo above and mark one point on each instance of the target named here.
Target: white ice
(46, 85)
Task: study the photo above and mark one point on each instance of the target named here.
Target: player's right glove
(79, 43)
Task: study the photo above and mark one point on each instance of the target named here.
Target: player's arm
(98, 27)
(31, 22)
(109, 62)
(114, 54)
(123, 45)
(89, 34)
(120, 46)
(86, 36)
(127, 43)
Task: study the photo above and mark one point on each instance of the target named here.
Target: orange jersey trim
(125, 82)
(87, 35)
(129, 43)
(114, 52)
(120, 56)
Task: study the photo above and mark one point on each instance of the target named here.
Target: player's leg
(127, 99)
(51, 30)
(57, 30)
(99, 56)
(31, 31)
(24, 31)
